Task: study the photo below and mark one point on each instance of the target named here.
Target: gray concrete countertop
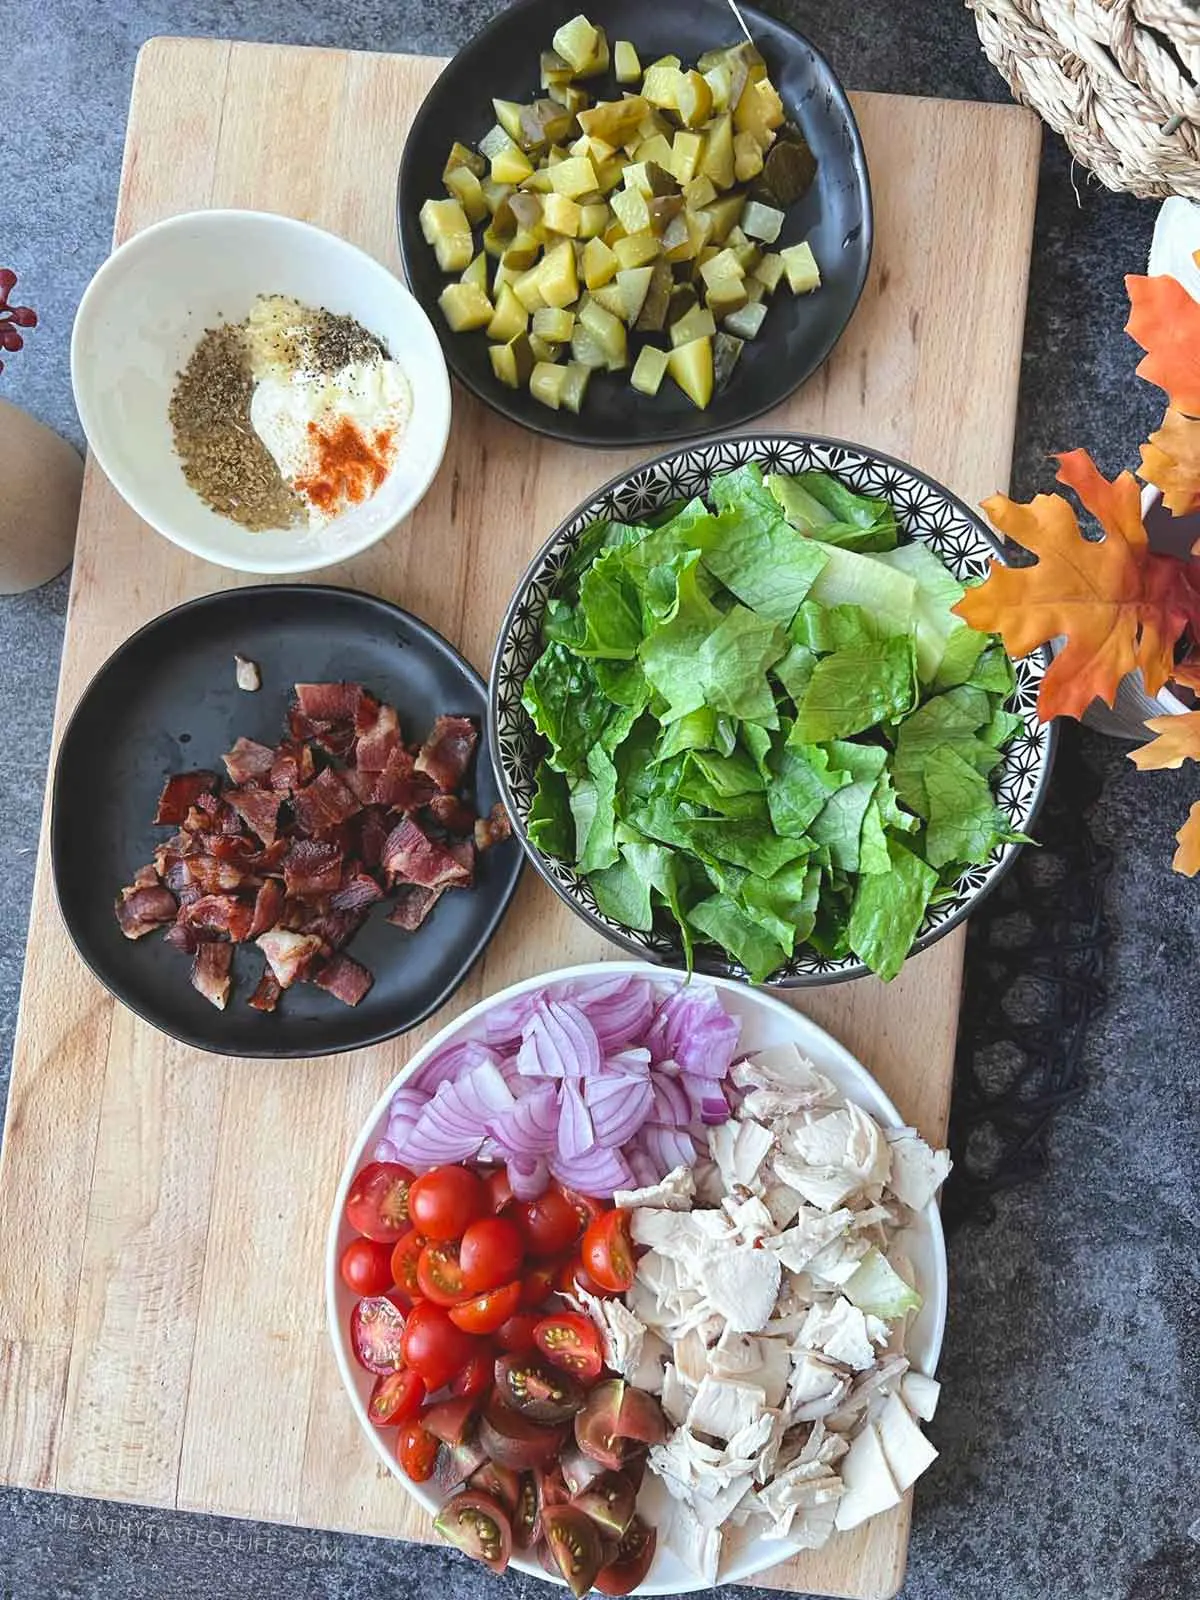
(1071, 1412)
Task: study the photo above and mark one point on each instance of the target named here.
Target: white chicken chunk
(907, 1450)
(742, 1284)
(920, 1394)
(868, 1483)
(917, 1171)
(841, 1332)
(723, 1407)
(808, 1236)
(675, 1193)
(827, 1188)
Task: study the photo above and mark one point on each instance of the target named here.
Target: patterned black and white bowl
(926, 512)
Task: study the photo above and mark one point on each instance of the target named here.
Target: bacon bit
(293, 766)
(446, 753)
(259, 810)
(330, 702)
(399, 787)
(266, 996)
(377, 740)
(348, 467)
(411, 856)
(413, 905)
(267, 906)
(451, 813)
(356, 891)
(288, 954)
(344, 978)
(249, 761)
(210, 973)
(180, 794)
(492, 829)
(141, 909)
(312, 868)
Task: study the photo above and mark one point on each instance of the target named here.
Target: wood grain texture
(171, 1349)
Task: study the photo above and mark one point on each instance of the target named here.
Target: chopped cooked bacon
(249, 762)
(357, 890)
(360, 784)
(212, 814)
(180, 937)
(335, 928)
(259, 810)
(329, 702)
(210, 875)
(271, 858)
(411, 856)
(463, 851)
(142, 907)
(180, 794)
(372, 835)
(451, 813)
(288, 953)
(399, 787)
(266, 996)
(312, 868)
(343, 977)
(376, 739)
(492, 829)
(324, 803)
(238, 847)
(413, 905)
(293, 766)
(219, 913)
(446, 753)
(267, 906)
(210, 973)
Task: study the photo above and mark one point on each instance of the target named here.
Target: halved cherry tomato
(404, 1262)
(587, 1207)
(443, 1202)
(476, 1376)
(499, 1190)
(572, 1274)
(434, 1347)
(451, 1420)
(396, 1397)
(632, 1561)
(416, 1451)
(366, 1267)
(376, 1334)
(439, 1276)
(377, 1204)
(517, 1333)
(607, 1251)
(477, 1525)
(571, 1342)
(574, 1542)
(486, 1312)
(550, 1224)
(491, 1253)
(537, 1285)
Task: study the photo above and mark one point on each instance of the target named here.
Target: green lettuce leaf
(593, 806)
(723, 921)
(731, 666)
(878, 1289)
(965, 823)
(567, 706)
(550, 826)
(888, 909)
(669, 651)
(856, 688)
(801, 785)
(820, 505)
(745, 844)
(825, 628)
(758, 556)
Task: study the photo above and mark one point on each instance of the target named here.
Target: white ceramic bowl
(142, 315)
(765, 1021)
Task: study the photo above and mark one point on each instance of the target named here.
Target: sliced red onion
(643, 1170)
(576, 1135)
(693, 1028)
(600, 1172)
(619, 1105)
(668, 1148)
(505, 1024)
(385, 1150)
(492, 1152)
(630, 1060)
(529, 1128)
(528, 1177)
(429, 1146)
(672, 1102)
(451, 1063)
(559, 1042)
(619, 1011)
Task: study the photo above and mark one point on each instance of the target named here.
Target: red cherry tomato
(434, 1347)
(439, 1276)
(499, 1190)
(475, 1377)
(572, 1275)
(377, 1204)
(607, 1251)
(396, 1397)
(486, 1312)
(537, 1285)
(442, 1203)
(376, 1334)
(549, 1223)
(516, 1335)
(587, 1208)
(571, 1342)
(491, 1253)
(366, 1267)
(405, 1253)
(416, 1451)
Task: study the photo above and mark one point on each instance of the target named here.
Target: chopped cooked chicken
(868, 1483)
(674, 1193)
(917, 1171)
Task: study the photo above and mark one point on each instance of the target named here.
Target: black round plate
(835, 215)
(166, 701)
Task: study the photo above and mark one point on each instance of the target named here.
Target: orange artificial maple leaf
(1177, 741)
(1171, 461)
(1119, 605)
(1165, 321)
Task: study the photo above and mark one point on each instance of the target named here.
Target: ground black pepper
(337, 341)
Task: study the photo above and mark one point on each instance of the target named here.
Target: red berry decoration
(12, 317)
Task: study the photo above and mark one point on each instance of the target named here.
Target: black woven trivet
(1034, 978)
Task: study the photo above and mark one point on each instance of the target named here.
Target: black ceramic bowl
(835, 215)
(925, 511)
(166, 701)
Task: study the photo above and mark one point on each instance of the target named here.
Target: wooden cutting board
(163, 1212)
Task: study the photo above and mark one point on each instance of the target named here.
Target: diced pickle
(799, 263)
(611, 298)
(461, 156)
(554, 69)
(575, 42)
(442, 219)
(512, 362)
(631, 210)
(511, 166)
(528, 288)
(557, 278)
(614, 121)
(465, 306)
(693, 100)
(723, 264)
(510, 318)
(570, 96)
(468, 191)
(634, 285)
(609, 333)
(586, 348)
(561, 215)
(723, 295)
(656, 148)
(477, 272)
(649, 370)
(759, 111)
(788, 169)
(664, 208)
(698, 323)
(593, 219)
(717, 161)
(522, 251)
(573, 177)
(574, 388)
(653, 315)
(769, 271)
(543, 350)
(686, 151)
(494, 142)
(553, 324)
(724, 214)
(691, 366)
(454, 251)
(699, 192)
(546, 383)
(636, 250)
(761, 222)
(682, 298)
(494, 194)
(660, 85)
(726, 350)
(747, 157)
(719, 79)
(625, 61)
(524, 208)
(599, 264)
(746, 322)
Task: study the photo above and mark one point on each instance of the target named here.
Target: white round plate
(765, 1022)
(142, 316)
